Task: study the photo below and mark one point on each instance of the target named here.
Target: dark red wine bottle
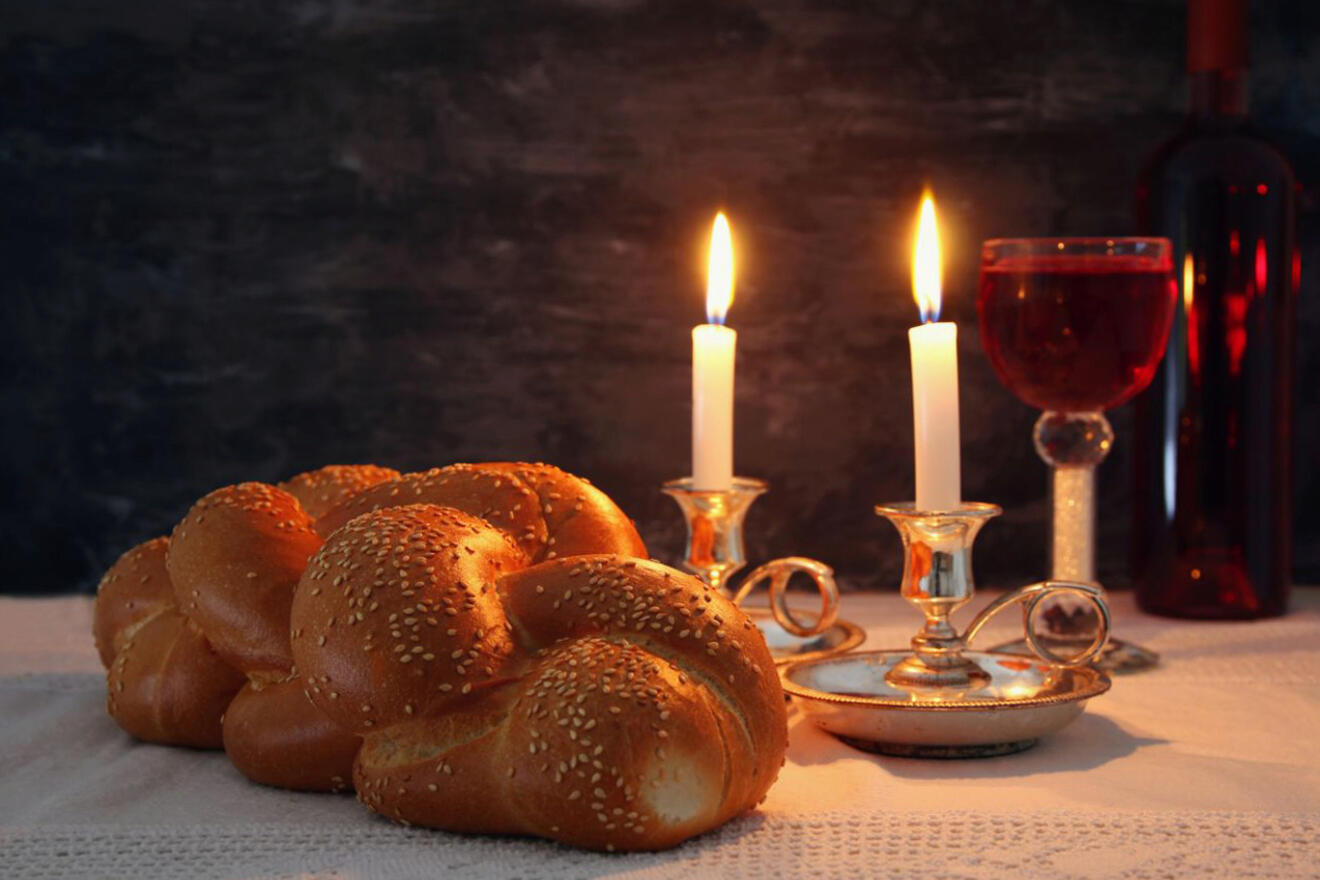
(1212, 524)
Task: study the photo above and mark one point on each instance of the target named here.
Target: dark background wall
(239, 240)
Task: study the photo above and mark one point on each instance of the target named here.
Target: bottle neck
(1219, 94)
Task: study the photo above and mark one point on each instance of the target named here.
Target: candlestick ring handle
(779, 572)
(1032, 598)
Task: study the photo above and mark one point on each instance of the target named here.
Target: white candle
(713, 347)
(934, 344)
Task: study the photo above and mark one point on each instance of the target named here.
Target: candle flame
(719, 272)
(926, 271)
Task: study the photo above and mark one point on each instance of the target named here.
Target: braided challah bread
(474, 648)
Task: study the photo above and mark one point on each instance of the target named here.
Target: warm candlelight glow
(719, 273)
(926, 270)
(1189, 281)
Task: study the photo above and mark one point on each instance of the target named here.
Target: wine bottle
(1212, 523)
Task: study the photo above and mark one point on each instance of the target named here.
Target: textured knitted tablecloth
(1207, 767)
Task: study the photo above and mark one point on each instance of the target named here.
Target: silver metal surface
(941, 699)
(937, 579)
(715, 552)
(1023, 699)
(778, 572)
(1118, 657)
(785, 647)
(1036, 629)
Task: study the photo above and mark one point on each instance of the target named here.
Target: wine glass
(1076, 326)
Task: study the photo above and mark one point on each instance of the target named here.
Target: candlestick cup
(715, 551)
(1076, 326)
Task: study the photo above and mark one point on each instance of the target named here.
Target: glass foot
(1118, 656)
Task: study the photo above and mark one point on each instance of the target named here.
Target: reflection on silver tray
(842, 635)
(1024, 700)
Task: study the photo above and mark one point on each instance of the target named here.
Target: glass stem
(1072, 444)
(1074, 523)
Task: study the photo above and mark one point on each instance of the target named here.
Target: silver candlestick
(939, 698)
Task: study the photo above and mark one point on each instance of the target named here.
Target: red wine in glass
(1076, 333)
(1075, 326)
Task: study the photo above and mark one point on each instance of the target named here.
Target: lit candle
(713, 347)
(934, 377)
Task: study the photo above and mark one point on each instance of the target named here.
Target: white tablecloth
(1207, 767)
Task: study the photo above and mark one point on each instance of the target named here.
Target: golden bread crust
(603, 701)
(275, 735)
(505, 503)
(136, 587)
(234, 560)
(324, 489)
(396, 618)
(167, 685)
(579, 518)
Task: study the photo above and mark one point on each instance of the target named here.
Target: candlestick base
(715, 551)
(940, 699)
